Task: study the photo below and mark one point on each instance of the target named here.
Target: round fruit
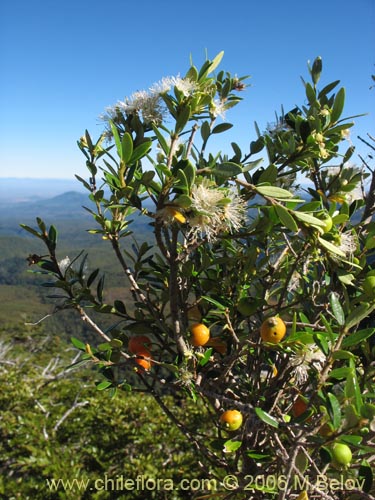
(231, 420)
(369, 286)
(139, 342)
(145, 359)
(273, 330)
(328, 223)
(341, 454)
(299, 407)
(200, 334)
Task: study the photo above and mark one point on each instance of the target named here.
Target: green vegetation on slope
(55, 426)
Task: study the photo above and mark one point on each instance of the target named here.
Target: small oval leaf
(286, 219)
(274, 192)
(337, 309)
(227, 169)
(266, 418)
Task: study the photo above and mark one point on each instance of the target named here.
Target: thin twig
(68, 412)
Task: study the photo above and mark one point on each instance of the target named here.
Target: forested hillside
(22, 299)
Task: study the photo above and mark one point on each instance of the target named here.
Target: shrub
(288, 235)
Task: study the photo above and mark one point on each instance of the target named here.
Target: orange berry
(200, 334)
(273, 330)
(231, 420)
(139, 342)
(144, 360)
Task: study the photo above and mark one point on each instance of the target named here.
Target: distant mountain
(64, 210)
(64, 206)
(13, 190)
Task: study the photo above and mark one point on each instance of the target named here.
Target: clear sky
(63, 62)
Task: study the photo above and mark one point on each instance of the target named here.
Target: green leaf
(31, 230)
(189, 172)
(86, 184)
(182, 181)
(41, 224)
(252, 164)
(52, 235)
(257, 456)
(274, 192)
(120, 306)
(163, 170)
(340, 354)
(192, 74)
(216, 61)
(210, 66)
(286, 219)
(105, 346)
(220, 306)
(140, 151)
(334, 410)
(269, 175)
(310, 94)
(331, 247)
(352, 389)
(357, 337)
(163, 143)
(183, 201)
(182, 118)
(147, 177)
(205, 131)
(257, 146)
(266, 417)
(327, 89)
(206, 357)
(227, 169)
(126, 147)
(322, 343)
(340, 373)
(358, 314)
(222, 127)
(99, 289)
(338, 105)
(308, 219)
(345, 277)
(117, 139)
(78, 344)
(352, 440)
(116, 343)
(231, 446)
(337, 309)
(103, 385)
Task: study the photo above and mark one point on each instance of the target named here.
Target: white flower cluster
(305, 359)
(215, 210)
(149, 103)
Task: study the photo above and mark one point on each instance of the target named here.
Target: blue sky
(64, 62)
